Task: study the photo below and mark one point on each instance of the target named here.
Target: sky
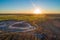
(27, 6)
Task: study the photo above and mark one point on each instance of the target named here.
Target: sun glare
(37, 11)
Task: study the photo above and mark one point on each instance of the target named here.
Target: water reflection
(16, 26)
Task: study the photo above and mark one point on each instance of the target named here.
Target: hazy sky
(26, 6)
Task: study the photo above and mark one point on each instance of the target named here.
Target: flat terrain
(47, 27)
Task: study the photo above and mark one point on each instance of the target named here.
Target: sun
(37, 11)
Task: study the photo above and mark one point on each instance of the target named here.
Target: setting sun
(37, 11)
